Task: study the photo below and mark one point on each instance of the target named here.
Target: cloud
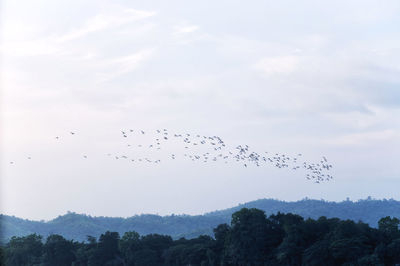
(278, 65)
(185, 29)
(364, 138)
(36, 47)
(299, 77)
(18, 43)
(104, 21)
(187, 33)
(121, 65)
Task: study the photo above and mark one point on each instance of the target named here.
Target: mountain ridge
(78, 226)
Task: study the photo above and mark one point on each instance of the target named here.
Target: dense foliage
(252, 238)
(78, 226)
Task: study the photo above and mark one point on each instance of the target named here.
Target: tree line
(77, 226)
(252, 238)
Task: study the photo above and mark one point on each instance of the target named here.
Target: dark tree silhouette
(251, 239)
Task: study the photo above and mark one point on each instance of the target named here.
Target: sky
(310, 77)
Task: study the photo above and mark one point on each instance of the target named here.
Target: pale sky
(321, 78)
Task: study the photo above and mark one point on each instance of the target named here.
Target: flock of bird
(206, 149)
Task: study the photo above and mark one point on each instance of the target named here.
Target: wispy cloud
(104, 21)
(116, 67)
(23, 44)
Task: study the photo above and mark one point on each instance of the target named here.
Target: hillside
(79, 226)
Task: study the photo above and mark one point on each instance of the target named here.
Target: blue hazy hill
(79, 226)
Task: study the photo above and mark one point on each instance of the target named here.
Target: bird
(217, 148)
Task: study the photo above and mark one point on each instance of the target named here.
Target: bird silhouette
(213, 149)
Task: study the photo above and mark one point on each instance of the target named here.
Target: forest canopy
(251, 238)
(77, 226)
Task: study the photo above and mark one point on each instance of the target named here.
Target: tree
(107, 252)
(147, 257)
(248, 237)
(197, 251)
(250, 240)
(25, 250)
(222, 235)
(129, 243)
(58, 251)
(318, 254)
(85, 251)
(389, 227)
(2, 258)
(348, 249)
(155, 244)
(389, 253)
(370, 260)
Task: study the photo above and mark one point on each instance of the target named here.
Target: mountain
(79, 226)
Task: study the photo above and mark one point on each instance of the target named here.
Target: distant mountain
(368, 210)
(79, 226)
